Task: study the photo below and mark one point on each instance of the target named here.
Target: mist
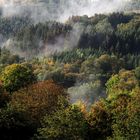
(60, 10)
(55, 10)
(65, 43)
(88, 93)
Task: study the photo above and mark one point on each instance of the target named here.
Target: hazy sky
(40, 10)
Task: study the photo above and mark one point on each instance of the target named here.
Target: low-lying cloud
(60, 10)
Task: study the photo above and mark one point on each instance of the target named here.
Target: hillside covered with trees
(72, 80)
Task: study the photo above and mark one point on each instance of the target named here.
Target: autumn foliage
(38, 99)
(17, 76)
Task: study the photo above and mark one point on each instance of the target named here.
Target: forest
(72, 80)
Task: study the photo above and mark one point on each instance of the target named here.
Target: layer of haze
(59, 10)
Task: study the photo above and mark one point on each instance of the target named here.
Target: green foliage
(10, 26)
(68, 123)
(6, 58)
(118, 18)
(99, 121)
(103, 33)
(103, 67)
(137, 73)
(16, 76)
(123, 97)
(125, 111)
(123, 83)
(118, 110)
(34, 38)
(133, 121)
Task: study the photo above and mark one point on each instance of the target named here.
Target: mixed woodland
(78, 80)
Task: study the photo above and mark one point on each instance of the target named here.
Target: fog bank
(60, 10)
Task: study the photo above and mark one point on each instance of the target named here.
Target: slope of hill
(70, 70)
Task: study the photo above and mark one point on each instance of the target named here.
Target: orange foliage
(38, 99)
(50, 62)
